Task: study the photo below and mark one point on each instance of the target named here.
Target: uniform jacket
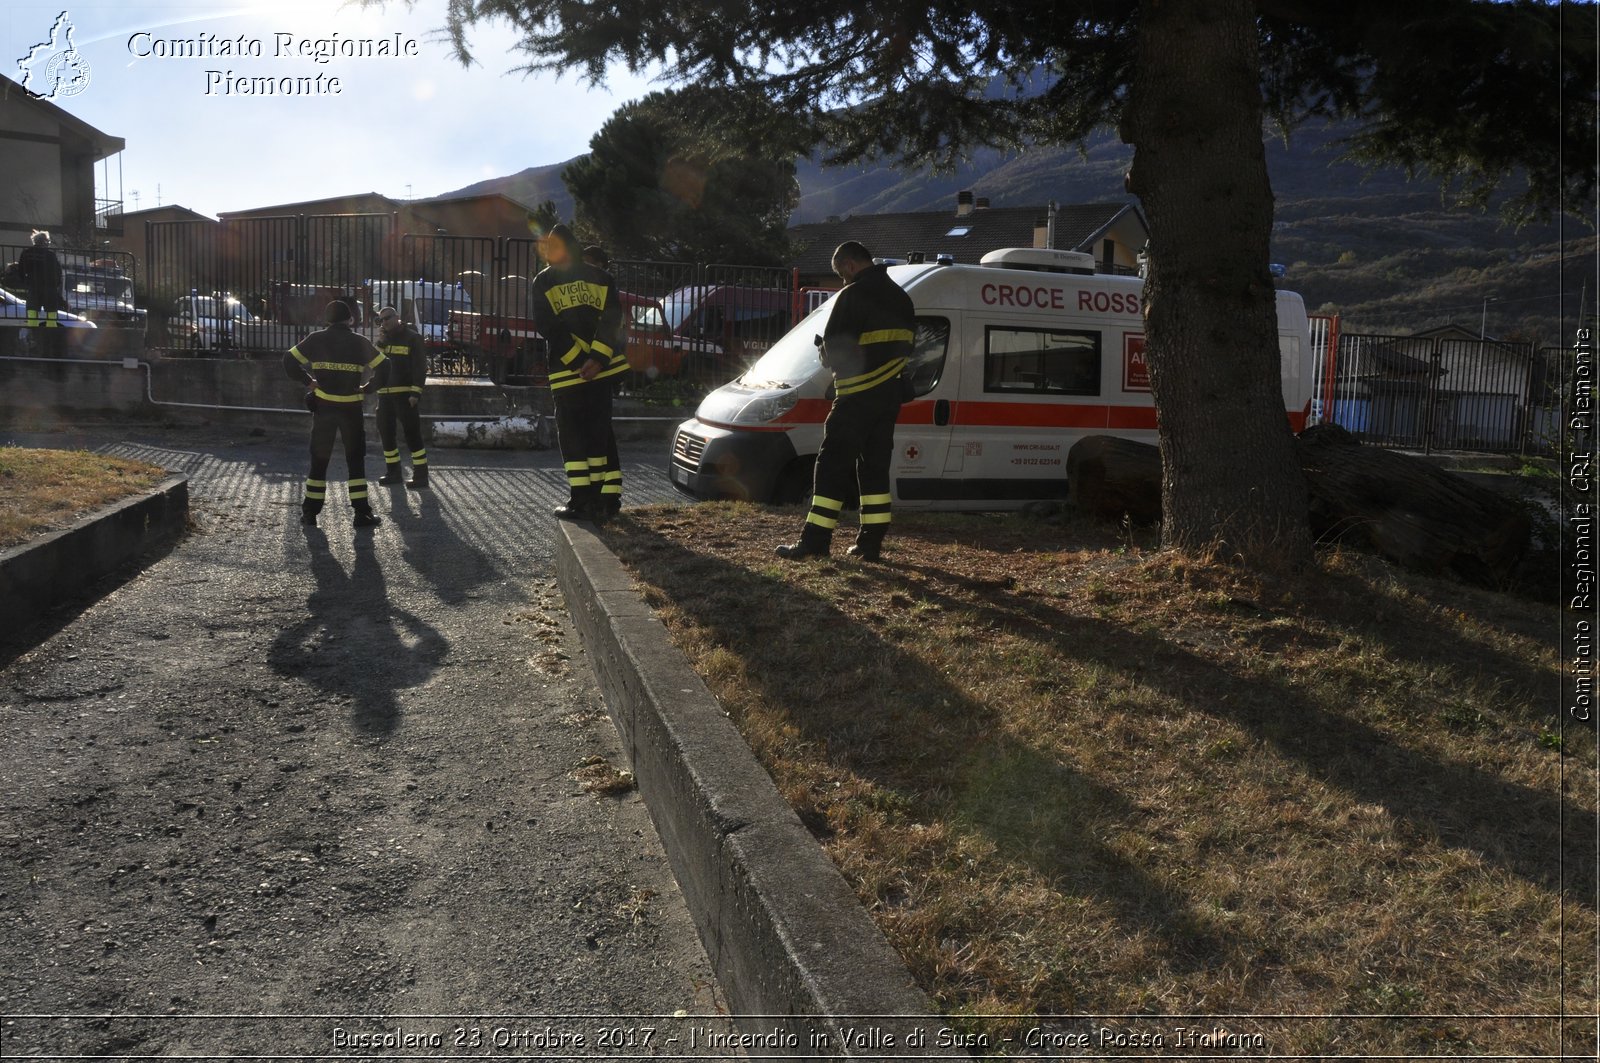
(333, 359)
(41, 277)
(869, 335)
(576, 310)
(406, 360)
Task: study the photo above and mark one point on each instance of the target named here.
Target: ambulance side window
(928, 354)
(1041, 361)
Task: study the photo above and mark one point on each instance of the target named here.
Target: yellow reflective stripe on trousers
(825, 512)
(854, 384)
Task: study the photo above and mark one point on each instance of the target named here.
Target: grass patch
(42, 490)
(1069, 775)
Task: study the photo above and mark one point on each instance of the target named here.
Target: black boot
(869, 543)
(814, 542)
(365, 518)
(308, 514)
(419, 477)
(391, 475)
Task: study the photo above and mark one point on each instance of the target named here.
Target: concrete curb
(796, 955)
(39, 574)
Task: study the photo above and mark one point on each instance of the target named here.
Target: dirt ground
(286, 787)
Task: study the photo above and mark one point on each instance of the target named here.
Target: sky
(409, 126)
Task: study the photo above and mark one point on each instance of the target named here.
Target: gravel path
(299, 778)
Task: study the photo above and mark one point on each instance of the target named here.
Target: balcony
(108, 217)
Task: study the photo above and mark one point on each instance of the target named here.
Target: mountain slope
(1387, 253)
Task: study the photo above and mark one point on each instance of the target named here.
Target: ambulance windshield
(793, 359)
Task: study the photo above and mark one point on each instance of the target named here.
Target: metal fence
(265, 282)
(97, 283)
(1437, 392)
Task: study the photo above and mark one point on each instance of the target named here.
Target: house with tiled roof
(1112, 232)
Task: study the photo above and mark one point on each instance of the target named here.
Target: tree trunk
(1199, 170)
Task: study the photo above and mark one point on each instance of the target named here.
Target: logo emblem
(55, 67)
(912, 453)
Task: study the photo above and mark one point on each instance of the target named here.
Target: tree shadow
(354, 644)
(961, 765)
(1536, 835)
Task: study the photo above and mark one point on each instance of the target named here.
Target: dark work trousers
(583, 419)
(392, 408)
(341, 419)
(611, 474)
(857, 450)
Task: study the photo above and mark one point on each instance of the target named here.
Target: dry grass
(1069, 776)
(42, 490)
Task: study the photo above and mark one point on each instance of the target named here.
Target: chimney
(1041, 231)
(982, 203)
(963, 203)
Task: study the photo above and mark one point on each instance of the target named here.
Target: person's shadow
(355, 645)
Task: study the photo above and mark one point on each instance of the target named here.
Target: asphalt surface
(286, 783)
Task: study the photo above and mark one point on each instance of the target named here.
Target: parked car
(205, 322)
(705, 330)
(17, 340)
(100, 291)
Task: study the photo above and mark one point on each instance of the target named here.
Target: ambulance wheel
(793, 486)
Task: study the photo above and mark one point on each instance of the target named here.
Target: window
(1039, 361)
(959, 230)
(928, 354)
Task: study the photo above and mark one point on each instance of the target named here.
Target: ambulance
(1015, 360)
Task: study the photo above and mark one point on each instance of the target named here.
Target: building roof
(966, 238)
(99, 144)
(382, 205)
(170, 208)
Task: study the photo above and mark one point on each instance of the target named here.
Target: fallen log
(1408, 509)
(1398, 505)
(1114, 478)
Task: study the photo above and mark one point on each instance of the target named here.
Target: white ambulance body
(1015, 360)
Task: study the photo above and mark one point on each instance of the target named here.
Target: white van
(1015, 360)
(427, 306)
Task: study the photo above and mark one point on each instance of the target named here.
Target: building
(47, 173)
(133, 239)
(491, 214)
(1112, 232)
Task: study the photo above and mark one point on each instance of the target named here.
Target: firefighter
(595, 257)
(399, 398)
(40, 271)
(866, 345)
(577, 311)
(331, 363)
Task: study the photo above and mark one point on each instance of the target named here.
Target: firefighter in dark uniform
(331, 363)
(867, 345)
(577, 311)
(40, 271)
(399, 397)
(595, 257)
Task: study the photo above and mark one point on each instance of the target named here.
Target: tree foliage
(1467, 90)
(1471, 91)
(649, 189)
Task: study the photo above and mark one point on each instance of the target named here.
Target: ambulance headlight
(767, 407)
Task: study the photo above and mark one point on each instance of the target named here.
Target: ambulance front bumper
(710, 462)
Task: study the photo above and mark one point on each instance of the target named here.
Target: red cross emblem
(912, 452)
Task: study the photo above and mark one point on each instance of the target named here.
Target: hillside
(1385, 252)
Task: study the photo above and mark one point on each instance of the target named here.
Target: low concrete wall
(42, 573)
(791, 945)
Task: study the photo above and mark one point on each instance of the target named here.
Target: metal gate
(1434, 393)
